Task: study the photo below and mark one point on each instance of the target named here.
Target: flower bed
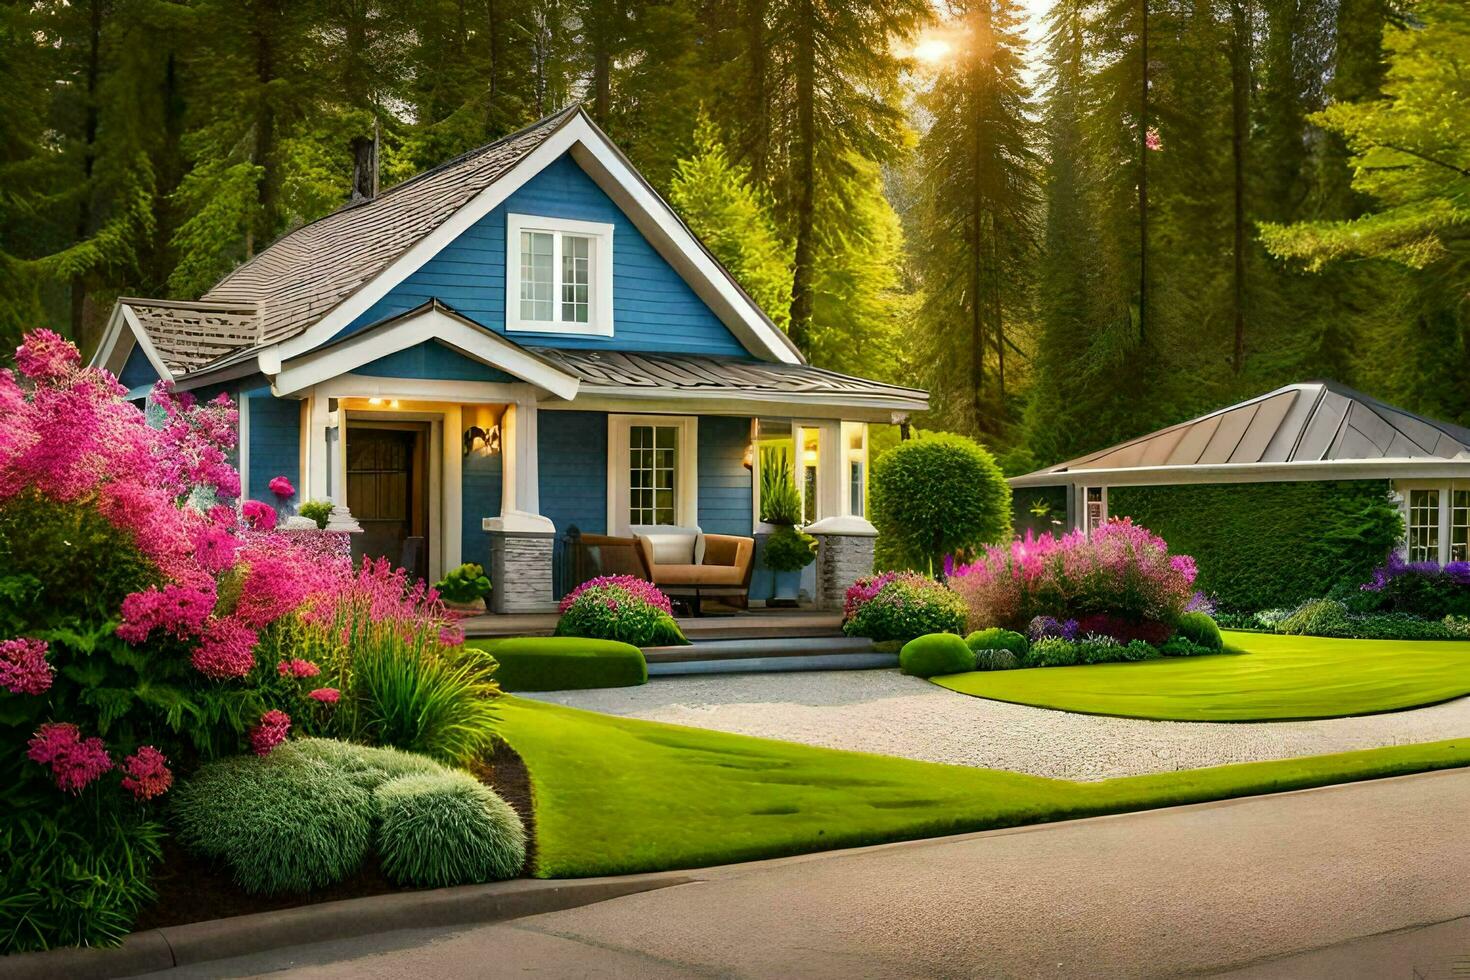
(900, 606)
(619, 607)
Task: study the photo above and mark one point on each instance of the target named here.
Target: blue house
(523, 343)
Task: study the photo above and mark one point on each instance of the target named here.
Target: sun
(931, 50)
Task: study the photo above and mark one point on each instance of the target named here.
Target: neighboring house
(521, 341)
(1318, 431)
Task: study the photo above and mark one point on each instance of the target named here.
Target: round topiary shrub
(367, 766)
(935, 654)
(447, 828)
(1200, 629)
(282, 823)
(996, 660)
(996, 638)
(938, 495)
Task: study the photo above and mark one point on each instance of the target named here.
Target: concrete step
(767, 654)
(761, 665)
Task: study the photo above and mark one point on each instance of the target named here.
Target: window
(811, 454)
(856, 488)
(652, 473)
(1460, 525)
(1423, 525)
(1096, 504)
(558, 275)
(856, 434)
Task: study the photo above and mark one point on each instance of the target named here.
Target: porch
(748, 625)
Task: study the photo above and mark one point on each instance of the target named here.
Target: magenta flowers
(226, 649)
(261, 516)
(326, 695)
(146, 774)
(75, 761)
(271, 732)
(296, 667)
(46, 357)
(24, 668)
(616, 586)
(281, 487)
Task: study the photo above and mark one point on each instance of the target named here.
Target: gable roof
(1301, 425)
(307, 272)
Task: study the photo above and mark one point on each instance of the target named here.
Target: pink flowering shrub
(1120, 582)
(281, 487)
(619, 607)
(325, 695)
(271, 731)
(24, 668)
(296, 667)
(146, 774)
(901, 606)
(74, 761)
(261, 516)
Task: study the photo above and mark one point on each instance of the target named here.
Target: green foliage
(319, 511)
(73, 875)
(996, 638)
(1317, 617)
(934, 654)
(447, 828)
(996, 660)
(633, 621)
(283, 823)
(908, 607)
(780, 502)
(1057, 652)
(936, 496)
(465, 584)
(364, 765)
(1200, 629)
(789, 550)
(1328, 617)
(554, 663)
(1265, 545)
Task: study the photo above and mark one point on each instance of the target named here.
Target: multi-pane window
(1423, 525)
(1460, 525)
(537, 284)
(652, 465)
(855, 487)
(576, 280)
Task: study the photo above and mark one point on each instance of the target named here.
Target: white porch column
(326, 467)
(846, 539)
(521, 540)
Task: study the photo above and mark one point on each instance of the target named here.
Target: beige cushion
(672, 545)
(698, 575)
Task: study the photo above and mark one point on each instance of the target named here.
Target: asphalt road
(1363, 880)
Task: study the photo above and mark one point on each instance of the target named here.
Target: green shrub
(283, 823)
(1052, 652)
(406, 690)
(466, 584)
(1058, 652)
(901, 606)
(938, 495)
(780, 501)
(1198, 627)
(319, 511)
(1334, 532)
(620, 607)
(1319, 617)
(996, 638)
(934, 654)
(996, 660)
(366, 766)
(789, 550)
(446, 828)
(558, 663)
(1183, 646)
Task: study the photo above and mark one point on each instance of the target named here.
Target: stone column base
(520, 571)
(842, 559)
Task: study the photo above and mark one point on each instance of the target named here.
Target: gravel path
(885, 712)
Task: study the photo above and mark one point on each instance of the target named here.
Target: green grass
(1263, 677)
(619, 796)
(564, 663)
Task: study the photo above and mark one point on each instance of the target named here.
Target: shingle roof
(303, 275)
(630, 373)
(188, 335)
(1302, 423)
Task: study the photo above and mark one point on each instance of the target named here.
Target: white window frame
(599, 300)
(1447, 489)
(686, 477)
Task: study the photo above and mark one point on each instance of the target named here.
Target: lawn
(617, 795)
(1265, 678)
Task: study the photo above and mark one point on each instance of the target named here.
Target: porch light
(748, 460)
(375, 401)
(482, 441)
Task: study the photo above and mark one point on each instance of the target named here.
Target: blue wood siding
(275, 442)
(434, 361)
(137, 371)
(725, 492)
(653, 307)
(571, 454)
(480, 486)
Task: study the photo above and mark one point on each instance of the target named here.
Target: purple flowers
(75, 761)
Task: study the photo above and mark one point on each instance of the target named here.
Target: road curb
(218, 939)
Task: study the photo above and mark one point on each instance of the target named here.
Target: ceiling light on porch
(375, 401)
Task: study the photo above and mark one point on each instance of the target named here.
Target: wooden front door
(387, 493)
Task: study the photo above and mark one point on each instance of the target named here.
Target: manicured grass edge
(563, 663)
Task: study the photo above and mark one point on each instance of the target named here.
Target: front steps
(766, 653)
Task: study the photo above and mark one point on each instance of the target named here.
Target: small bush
(1198, 627)
(464, 585)
(364, 765)
(1182, 646)
(1058, 652)
(446, 828)
(282, 823)
(996, 660)
(996, 638)
(938, 495)
(1053, 652)
(564, 663)
(1424, 589)
(901, 606)
(318, 511)
(935, 654)
(1318, 617)
(789, 550)
(622, 608)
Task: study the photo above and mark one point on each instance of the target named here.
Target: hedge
(1269, 545)
(564, 663)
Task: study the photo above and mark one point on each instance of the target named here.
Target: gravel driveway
(886, 712)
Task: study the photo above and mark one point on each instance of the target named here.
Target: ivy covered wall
(1269, 545)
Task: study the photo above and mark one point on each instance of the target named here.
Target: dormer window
(558, 276)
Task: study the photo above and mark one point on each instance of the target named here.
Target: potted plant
(465, 588)
(787, 550)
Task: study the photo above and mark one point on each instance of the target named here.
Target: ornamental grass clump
(620, 607)
(446, 828)
(901, 606)
(1121, 582)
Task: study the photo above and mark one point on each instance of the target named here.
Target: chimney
(365, 167)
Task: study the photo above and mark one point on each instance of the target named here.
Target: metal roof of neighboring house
(309, 271)
(188, 335)
(631, 373)
(1319, 424)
